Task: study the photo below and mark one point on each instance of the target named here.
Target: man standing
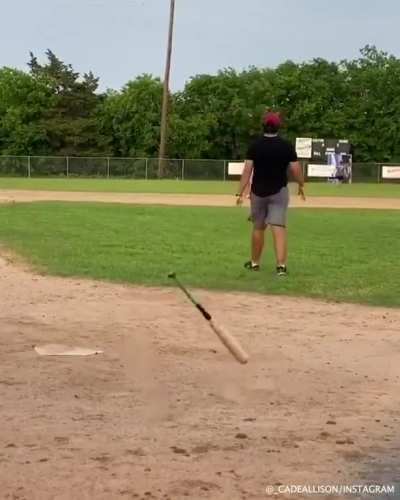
(268, 160)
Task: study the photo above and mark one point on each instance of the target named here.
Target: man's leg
(257, 244)
(258, 215)
(280, 244)
(277, 214)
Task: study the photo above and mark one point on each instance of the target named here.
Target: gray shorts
(270, 209)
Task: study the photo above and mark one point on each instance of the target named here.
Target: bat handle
(206, 314)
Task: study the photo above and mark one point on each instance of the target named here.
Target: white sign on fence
(321, 170)
(304, 147)
(391, 172)
(235, 168)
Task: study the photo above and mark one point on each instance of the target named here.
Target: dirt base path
(190, 199)
(166, 413)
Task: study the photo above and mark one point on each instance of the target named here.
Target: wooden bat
(226, 338)
(230, 343)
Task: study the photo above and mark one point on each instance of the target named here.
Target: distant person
(268, 160)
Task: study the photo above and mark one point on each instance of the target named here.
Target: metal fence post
(108, 167)
(379, 172)
(225, 163)
(67, 163)
(146, 172)
(183, 169)
(29, 166)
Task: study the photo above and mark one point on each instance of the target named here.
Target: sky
(121, 39)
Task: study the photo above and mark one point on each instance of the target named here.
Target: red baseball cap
(271, 118)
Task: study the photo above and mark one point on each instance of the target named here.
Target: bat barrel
(231, 344)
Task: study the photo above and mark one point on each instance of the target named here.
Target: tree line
(50, 109)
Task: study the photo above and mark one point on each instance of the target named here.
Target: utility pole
(165, 103)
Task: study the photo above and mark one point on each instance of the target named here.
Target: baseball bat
(226, 338)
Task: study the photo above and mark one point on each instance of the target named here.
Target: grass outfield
(187, 187)
(345, 255)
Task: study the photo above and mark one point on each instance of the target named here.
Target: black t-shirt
(271, 157)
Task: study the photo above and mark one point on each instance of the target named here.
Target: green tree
(372, 117)
(131, 118)
(70, 124)
(23, 103)
(311, 98)
(229, 105)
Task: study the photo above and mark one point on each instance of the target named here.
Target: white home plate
(64, 350)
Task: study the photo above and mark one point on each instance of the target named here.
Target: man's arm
(244, 180)
(297, 173)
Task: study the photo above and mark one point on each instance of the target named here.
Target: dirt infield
(194, 200)
(166, 413)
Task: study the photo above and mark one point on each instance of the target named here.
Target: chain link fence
(131, 168)
(366, 172)
(148, 168)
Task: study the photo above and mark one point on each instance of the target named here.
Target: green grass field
(187, 187)
(345, 255)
